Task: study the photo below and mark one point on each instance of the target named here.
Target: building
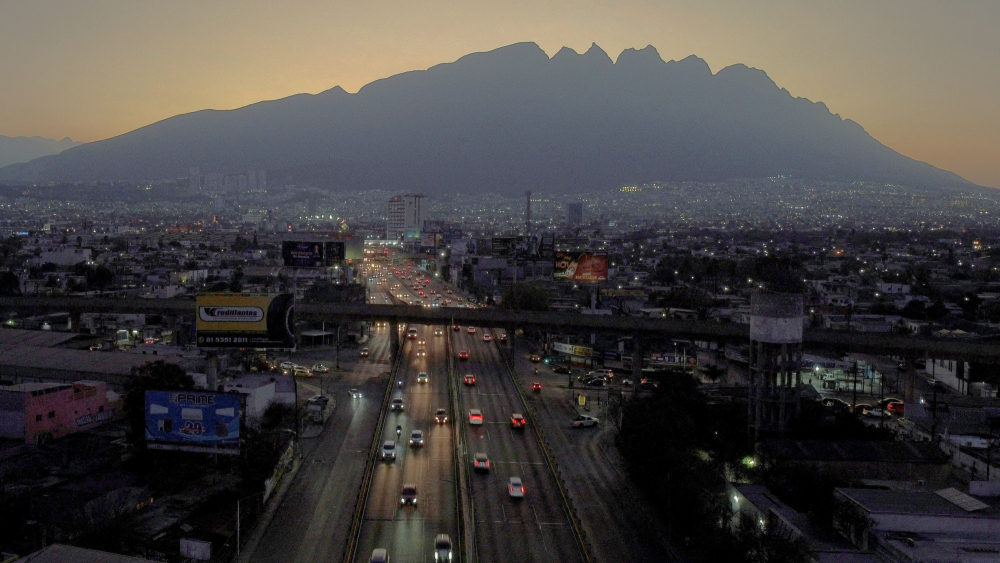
(574, 214)
(42, 412)
(406, 215)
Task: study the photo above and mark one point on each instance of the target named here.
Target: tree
(525, 297)
(714, 373)
(10, 284)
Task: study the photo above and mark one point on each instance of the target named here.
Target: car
(408, 495)
(535, 358)
(379, 555)
(475, 417)
(626, 382)
(896, 407)
(286, 365)
(354, 393)
(438, 332)
(320, 368)
(503, 337)
(648, 384)
(411, 334)
(302, 371)
(421, 342)
(469, 379)
(517, 420)
(536, 387)
(487, 337)
(441, 416)
(860, 408)
(442, 548)
(421, 352)
(595, 382)
(471, 330)
(397, 404)
(364, 352)
(605, 373)
(873, 411)
(515, 487)
(417, 438)
(584, 420)
(481, 462)
(564, 368)
(422, 377)
(456, 328)
(389, 450)
(463, 355)
(837, 404)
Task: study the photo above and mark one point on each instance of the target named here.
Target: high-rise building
(574, 214)
(405, 213)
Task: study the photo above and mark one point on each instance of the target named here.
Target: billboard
(306, 254)
(572, 349)
(430, 240)
(194, 421)
(233, 320)
(547, 247)
(580, 267)
(503, 246)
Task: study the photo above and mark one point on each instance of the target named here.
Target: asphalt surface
(408, 532)
(535, 528)
(314, 518)
(620, 525)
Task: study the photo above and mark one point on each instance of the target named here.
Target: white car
(320, 368)
(355, 393)
(286, 365)
(379, 555)
(389, 450)
(442, 548)
(585, 420)
(422, 377)
(475, 417)
(515, 487)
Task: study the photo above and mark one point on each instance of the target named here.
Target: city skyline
(892, 67)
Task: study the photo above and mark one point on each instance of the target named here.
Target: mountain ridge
(24, 149)
(510, 118)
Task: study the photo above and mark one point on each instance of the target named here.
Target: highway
(408, 532)
(313, 520)
(535, 528)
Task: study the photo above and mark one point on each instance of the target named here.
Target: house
(42, 412)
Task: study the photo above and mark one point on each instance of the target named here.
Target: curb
(248, 551)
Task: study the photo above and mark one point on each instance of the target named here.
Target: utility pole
(854, 392)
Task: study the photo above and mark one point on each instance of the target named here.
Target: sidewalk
(247, 552)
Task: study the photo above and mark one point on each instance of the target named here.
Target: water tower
(775, 361)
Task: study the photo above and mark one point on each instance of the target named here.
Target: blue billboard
(193, 421)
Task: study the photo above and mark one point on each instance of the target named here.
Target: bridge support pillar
(393, 340)
(638, 351)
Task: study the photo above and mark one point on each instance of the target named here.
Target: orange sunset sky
(921, 76)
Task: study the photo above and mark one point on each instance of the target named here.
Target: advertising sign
(503, 246)
(193, 421)
(572, 349)
(430, 240)
(335, 251)
(547, 247)
(303, 254)
(306, 254)
(580, 267)
(233, 320)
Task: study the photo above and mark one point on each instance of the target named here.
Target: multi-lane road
(314, 521)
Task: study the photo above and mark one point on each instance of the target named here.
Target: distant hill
(23, 149)
(510, 119)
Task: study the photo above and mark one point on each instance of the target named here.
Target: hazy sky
(921, 76)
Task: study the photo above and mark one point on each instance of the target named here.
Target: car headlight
(402, 501)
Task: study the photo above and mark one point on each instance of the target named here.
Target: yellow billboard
(234, 320)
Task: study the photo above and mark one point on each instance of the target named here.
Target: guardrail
(549, 462)
(465, 500)
(350, 551)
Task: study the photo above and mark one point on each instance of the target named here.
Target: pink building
(42, 412)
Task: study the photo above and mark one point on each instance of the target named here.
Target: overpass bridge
(639, 327)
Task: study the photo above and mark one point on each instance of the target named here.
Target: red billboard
(580, 267)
